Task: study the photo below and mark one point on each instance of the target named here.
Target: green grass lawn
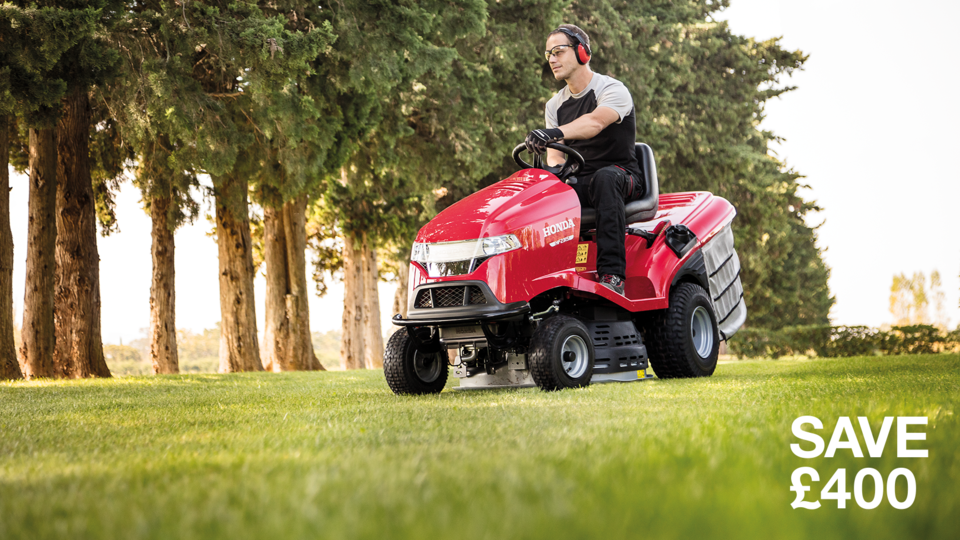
(337, 455)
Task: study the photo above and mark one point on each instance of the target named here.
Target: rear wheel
(683, 340)
(408, 371)
(561, 354)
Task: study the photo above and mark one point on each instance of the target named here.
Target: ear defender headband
(583, 51)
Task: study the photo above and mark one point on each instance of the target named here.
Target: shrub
(851, 341)
(953, 341)
(841, 341)
(761, 342)
(915, 339)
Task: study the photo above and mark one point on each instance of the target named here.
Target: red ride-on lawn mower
(503, 288)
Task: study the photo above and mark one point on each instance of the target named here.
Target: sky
(872, 127)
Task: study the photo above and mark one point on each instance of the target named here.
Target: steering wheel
(570, 167)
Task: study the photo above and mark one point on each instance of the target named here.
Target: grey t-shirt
(615, 145)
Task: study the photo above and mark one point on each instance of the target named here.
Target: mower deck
(523, 379)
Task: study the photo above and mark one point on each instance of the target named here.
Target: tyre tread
(395, 371)
(541, 348)
(665, 339)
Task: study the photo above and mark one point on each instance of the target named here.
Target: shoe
(612, 282)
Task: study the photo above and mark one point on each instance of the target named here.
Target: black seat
(643, 209)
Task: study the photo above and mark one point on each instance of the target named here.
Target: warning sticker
(583, 250)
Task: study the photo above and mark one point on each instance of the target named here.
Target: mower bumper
(457, 302)
(447, 321)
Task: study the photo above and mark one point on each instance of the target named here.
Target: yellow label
(583, 250)
(642, 374)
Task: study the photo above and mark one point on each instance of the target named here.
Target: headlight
(472, 252)
(419, 252)
(498, 244)
(442, 252)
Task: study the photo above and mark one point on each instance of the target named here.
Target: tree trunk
(372, 337)
(295, 230)
(287, 344)
(239, 350)
(351, 339)
(37, 333)
(279, 349)
(9, 366)
(79, 351)
(400, 297)
(163, 326)
(403, 284)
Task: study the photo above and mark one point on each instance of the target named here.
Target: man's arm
(587, 126)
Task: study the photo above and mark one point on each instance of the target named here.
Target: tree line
(349, 124)
(827, 341)
(911, 299)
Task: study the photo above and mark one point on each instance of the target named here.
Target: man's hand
(538, 139)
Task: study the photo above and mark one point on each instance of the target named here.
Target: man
(594, 115)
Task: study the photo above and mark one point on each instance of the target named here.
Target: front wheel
(561, 354)
(683, 340)
(408, 371)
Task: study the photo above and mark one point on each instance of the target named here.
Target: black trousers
(607, 191)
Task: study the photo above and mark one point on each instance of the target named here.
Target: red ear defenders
(583, 51)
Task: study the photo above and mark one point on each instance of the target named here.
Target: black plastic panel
(617, 347)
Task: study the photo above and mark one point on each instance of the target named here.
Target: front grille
(477, 296)
(424, 300)
(448, 296)
(442, 297)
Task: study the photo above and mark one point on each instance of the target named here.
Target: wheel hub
(426, 366)
(574, 356)
(701, 332)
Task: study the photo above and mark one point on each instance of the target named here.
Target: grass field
(336, 455)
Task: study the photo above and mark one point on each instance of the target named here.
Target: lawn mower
(504, 290)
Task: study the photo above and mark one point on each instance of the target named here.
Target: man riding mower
(504, 289)
(562, 277)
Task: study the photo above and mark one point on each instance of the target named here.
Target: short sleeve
(550, 113)
(616, 96)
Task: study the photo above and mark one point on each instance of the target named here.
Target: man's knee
(607, 174)
(607, 182)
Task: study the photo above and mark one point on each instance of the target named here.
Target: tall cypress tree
(36, 36)
(156, 50)
(286, 172)
(37, 334)
(89, 63)
(9, 366)
(167, 199)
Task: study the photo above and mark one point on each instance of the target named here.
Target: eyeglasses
(554, 51)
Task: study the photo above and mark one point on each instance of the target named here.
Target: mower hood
(527, 203)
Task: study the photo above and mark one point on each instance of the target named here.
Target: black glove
(538, 139)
